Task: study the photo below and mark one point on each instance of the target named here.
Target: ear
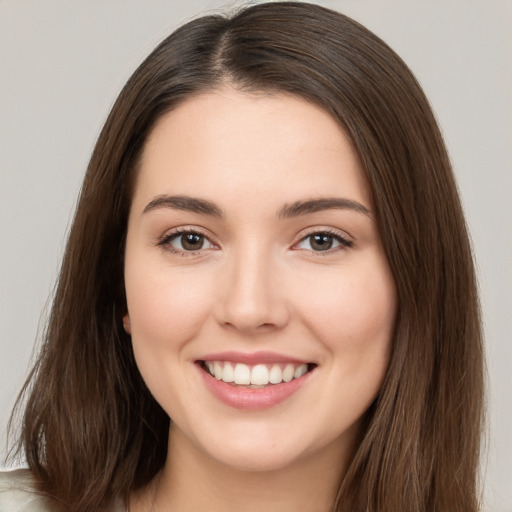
(126, 324)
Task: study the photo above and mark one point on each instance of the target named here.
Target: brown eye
(192, 241)
(189, 241)
(323, 241)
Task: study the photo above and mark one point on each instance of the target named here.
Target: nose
(252, 299)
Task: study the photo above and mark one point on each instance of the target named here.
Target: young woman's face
(260, 302)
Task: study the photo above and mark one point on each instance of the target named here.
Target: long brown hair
(91, 429)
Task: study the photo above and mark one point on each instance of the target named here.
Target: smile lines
(257, 375)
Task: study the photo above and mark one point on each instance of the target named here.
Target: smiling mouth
(255, 376)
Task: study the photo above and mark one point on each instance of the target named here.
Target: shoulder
(18, 493)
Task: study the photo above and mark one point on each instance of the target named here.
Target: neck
(192, 481)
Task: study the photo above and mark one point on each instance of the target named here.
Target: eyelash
(165, 241)
(345, 243)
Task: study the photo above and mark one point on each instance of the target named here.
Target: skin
(256, 284)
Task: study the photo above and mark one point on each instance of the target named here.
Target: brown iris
(321, 242)
(192, 241)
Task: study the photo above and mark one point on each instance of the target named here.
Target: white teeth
(228, 374)
(300, 371)
(242, 374)
(217, 370)
(275, 375)
(288, 373)
(258, 375)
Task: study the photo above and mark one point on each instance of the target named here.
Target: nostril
(267, 325)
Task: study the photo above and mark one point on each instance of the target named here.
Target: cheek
(166, 309)
(354, 312)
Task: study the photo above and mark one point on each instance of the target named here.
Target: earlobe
(126, 324)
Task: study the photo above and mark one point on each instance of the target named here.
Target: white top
(18, 494)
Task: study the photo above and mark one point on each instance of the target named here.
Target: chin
(258, 446)
(257, 459)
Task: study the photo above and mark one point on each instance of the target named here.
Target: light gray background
(63, 62)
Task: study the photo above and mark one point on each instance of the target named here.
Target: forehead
(227, 141)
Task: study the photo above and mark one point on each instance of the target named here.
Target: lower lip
(252, 399)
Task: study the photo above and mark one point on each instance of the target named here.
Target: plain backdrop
(63, 62)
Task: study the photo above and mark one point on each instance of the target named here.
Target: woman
(269, 250)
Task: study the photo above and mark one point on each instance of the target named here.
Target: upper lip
(253, 358)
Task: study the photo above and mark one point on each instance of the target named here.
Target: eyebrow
(296, 209)
(316, 205)
(185, 203)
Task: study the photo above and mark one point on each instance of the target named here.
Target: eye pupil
(192, 241)
(321, 242)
